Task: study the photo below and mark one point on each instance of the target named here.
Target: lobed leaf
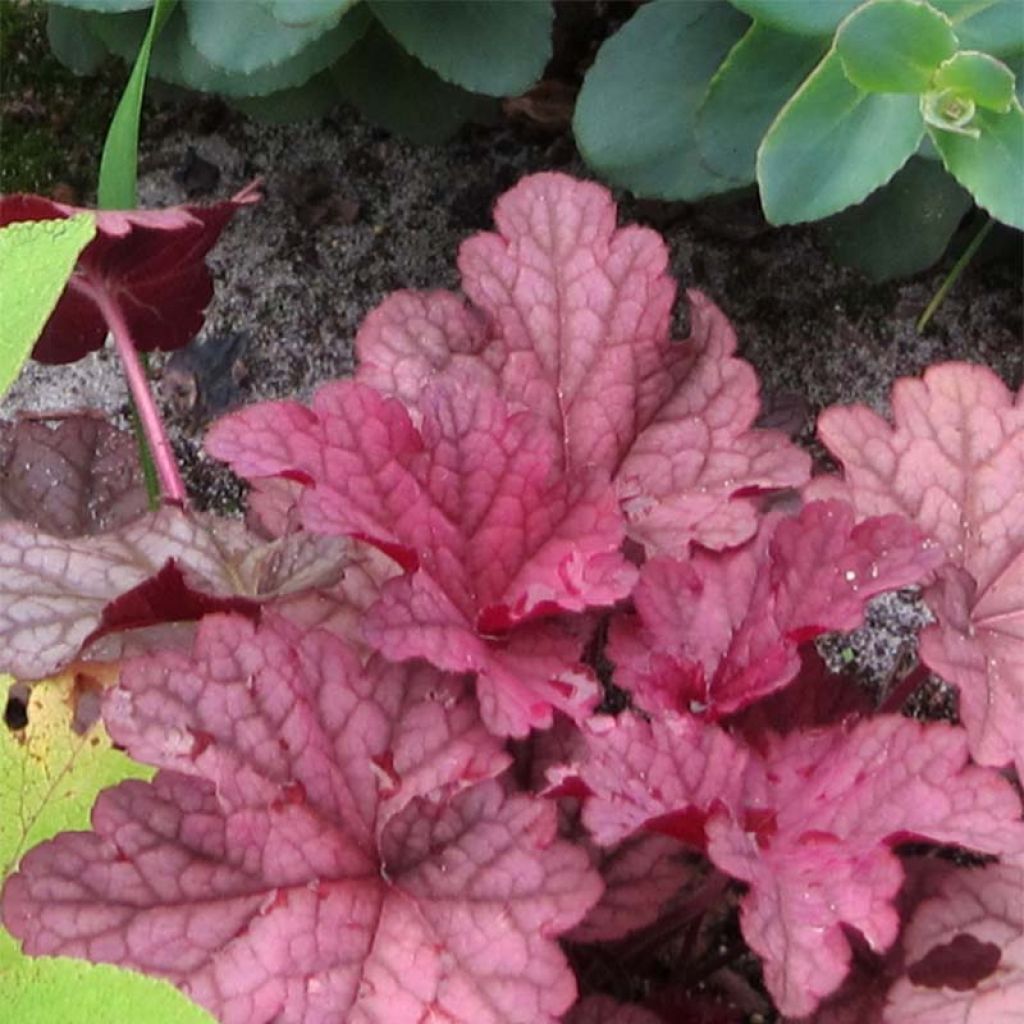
(58, 595)
(952, 462)
(327, 842)
(716, 632)
(807, 822)
(571, 317)
(469, 505)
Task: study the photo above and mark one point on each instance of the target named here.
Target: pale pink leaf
(715, 632)
(964, 951)
(55, 592)
(571, 316)
(471, 504)
(954, 463)
(322, 844)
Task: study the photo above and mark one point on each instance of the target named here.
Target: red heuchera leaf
(965, 951)
(641, 875)
(954, 463)
(808, 824)
(56, 594)
(471, 505)
(718, 631)
(150, 263)
(571, 319)
(605, 1010)
(323, 844)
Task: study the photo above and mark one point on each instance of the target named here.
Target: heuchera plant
(391, 784)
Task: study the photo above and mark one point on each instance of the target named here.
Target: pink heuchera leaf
(716, 632)
(965, 953)
(571, 317)
(954, 463)
(808, 823)
(150, 263)
(323, 843)
(605, 1010)
(58, 594)
(840, 799)
(664, 775)
(471, 505)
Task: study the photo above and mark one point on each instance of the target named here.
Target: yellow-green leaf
(52, 773)
(37, 257)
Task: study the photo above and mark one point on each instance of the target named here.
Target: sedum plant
(388, 787)
(899, 112)
(419, 67)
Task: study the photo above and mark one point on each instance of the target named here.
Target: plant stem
(954, 274)
(149, 416)
(902, 691)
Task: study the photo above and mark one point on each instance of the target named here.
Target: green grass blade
(119, 163)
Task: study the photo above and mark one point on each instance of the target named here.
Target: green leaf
(799, 17)
(52, 773)
(176, 60)
(59, 990)
(298, 12)
(894, 45)
(119, 162)
(37, 258)
(243, 36)
(978, 77)
(71, 41)
(636, 113)
(832, 145)
(903, 227)
(304, 102)
(991, 166)
(394, 90)
(748, 90)
(109, 6)
(494, 47)
(997, 30)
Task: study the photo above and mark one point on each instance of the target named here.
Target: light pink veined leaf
(964, 950)
(471, 505)
(323, 844)
(571, 316)
(716, 632)
(605, 1010)
(839, 800)
(55, 592)
(664, 776)
(953, 461)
